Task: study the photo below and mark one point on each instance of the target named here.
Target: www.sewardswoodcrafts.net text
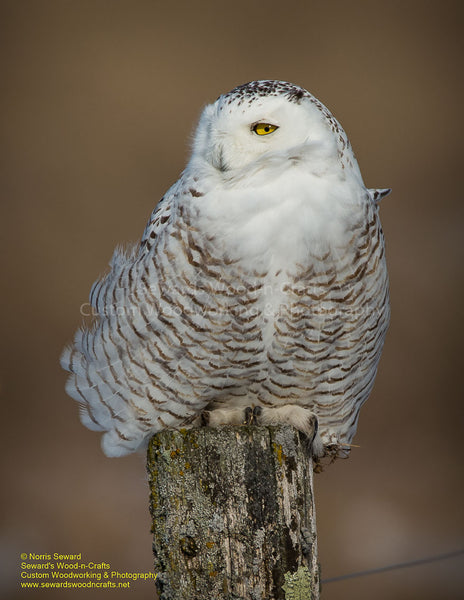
(56, 570)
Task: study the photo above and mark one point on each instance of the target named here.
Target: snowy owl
(258, 292)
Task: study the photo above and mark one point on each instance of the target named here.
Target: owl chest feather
(281, 314)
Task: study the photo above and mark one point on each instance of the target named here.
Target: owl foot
(301, 418)
(230, 416)
(223, 416)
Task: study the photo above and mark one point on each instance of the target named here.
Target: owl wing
(127, 367)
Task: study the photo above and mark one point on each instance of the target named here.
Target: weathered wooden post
(233, 514)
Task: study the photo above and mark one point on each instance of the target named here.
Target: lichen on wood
(298, 585)
(232, 513)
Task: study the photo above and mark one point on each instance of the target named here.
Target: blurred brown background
(99, 100)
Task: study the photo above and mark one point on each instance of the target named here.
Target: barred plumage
(260, 281)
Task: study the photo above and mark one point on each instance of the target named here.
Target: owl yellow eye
(264, 128)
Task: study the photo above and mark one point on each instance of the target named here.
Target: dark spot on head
(296, 95)
(257, 89)
(195, 193)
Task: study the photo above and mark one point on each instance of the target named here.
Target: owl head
(269, 121)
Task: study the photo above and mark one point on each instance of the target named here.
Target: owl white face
(276, 120)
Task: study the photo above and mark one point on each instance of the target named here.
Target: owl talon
(205, 418)
(314, 439)
(256, 414)
(248, 416)
(313, 424)
(252, 415)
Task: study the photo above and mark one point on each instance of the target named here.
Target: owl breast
(306, 322)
